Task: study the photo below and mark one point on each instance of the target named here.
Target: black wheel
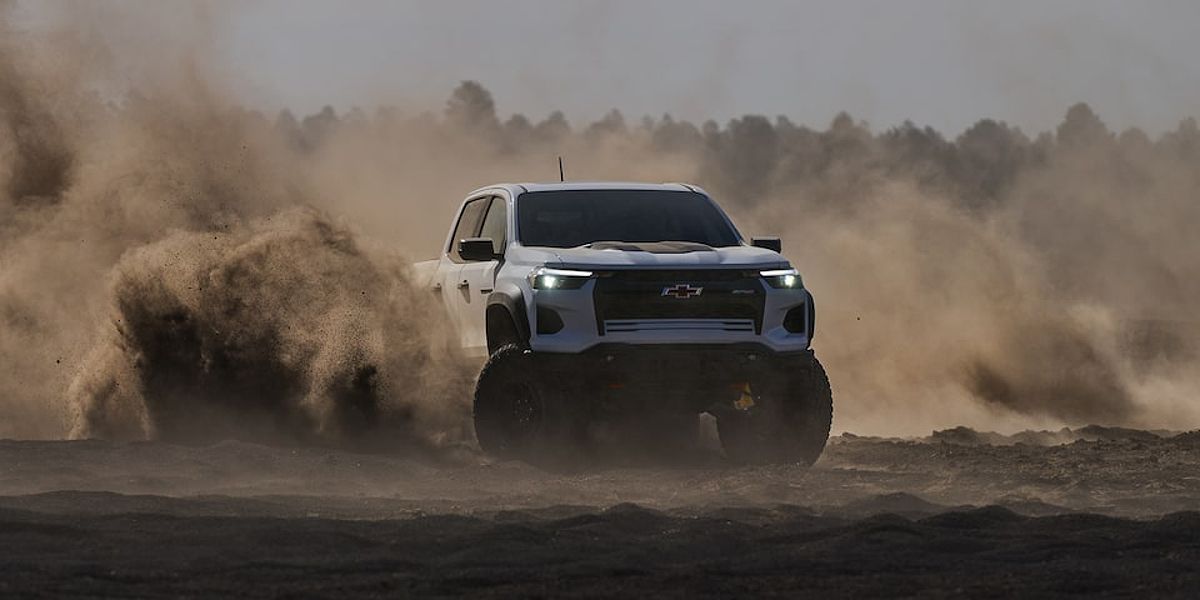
(784, 417)
(516, 415)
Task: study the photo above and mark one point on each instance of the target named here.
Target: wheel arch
(506, 321)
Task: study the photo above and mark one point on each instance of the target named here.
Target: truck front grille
(712, 299)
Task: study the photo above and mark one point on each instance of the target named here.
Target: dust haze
(174, 265)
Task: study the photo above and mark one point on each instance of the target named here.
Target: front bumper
(668, 360)
(633, 379)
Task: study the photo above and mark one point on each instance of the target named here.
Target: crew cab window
(572, 218)
(495, 224)
(468, 225)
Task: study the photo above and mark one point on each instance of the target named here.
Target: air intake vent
(642, 325)
(548, 321)
(794, 320)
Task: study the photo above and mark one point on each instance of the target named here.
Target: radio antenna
(561, 177)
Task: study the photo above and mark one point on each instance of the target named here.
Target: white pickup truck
(603, 303)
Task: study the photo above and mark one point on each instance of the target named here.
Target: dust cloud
(281, 327)
(175, 266)
(167, 270)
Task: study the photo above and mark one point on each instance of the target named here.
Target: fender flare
(812, 316)
(514, 306)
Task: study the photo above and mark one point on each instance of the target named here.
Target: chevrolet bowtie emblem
(682, 291)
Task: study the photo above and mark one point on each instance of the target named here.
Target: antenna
(560, 170)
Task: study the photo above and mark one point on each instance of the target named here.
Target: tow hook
(745, 399)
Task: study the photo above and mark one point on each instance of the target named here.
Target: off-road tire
(517, 415)
(790, 420)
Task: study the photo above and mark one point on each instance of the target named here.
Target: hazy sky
(943, 63)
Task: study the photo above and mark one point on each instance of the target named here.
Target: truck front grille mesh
(715, 298)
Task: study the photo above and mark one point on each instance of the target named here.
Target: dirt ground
(1092, 511)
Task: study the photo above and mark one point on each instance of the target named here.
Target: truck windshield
(571, 218)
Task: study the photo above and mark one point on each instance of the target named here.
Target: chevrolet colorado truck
(603, 303)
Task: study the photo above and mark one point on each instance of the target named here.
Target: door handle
(437, 287)
(464, 284)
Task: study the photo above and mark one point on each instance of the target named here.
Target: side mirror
(770, 243)
(477, 249)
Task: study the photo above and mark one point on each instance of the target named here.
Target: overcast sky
(942, 63)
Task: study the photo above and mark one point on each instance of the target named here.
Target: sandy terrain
(1072, 512)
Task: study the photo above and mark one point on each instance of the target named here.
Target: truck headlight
(783, 278)
(545, 278)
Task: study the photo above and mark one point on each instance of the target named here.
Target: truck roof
(520, 188)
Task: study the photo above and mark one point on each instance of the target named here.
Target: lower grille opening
(643, 325)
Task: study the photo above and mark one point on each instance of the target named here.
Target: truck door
(480, 278)
(452, 282)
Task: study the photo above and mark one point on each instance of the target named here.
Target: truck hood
(652, 255)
